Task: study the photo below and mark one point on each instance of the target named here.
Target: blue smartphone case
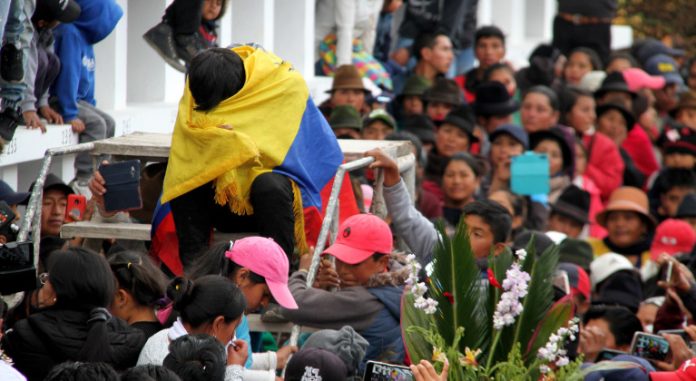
(529, 174)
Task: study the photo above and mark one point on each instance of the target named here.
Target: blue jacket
(384, 335)
(73, 45)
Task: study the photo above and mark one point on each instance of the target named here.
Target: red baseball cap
(265, 257)
(686, 372)
(637, 79)
(359, 237)
(578, 279)
(672, 237)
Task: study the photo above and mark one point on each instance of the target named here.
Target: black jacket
(53, 336)
(438, 16)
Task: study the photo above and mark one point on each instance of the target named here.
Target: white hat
(606, 265)
(592, 80)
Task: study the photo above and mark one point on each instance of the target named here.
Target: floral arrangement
(501, 324)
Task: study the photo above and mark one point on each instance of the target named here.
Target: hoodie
(48, 338)
(74, 46)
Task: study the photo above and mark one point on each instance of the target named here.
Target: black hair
(137, 275)
(212, 261)
(467, 158)
(83, 281)
(622, 322)
(671, 178)
(205, 299)
(197, 358)
(595, 61)
(547, 92)
(149, 372)
(424, 40)
(494, 215)
(489, 31)
(215, 75)
(82, 371)
(568, 98)
(622, 55)
(495, 67)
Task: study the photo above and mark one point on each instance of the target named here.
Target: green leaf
(416, 344)
(540, 293)
(558, 316)
(456, 274)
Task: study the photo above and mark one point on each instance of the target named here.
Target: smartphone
(679, 332)
(649, 347)
(75, 211)
(379, 371)
(529, 174)
(122, 183)
(607, 354)
(7, 216)
(560, 281)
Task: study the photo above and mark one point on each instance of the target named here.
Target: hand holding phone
(379, 371)
(649, 347)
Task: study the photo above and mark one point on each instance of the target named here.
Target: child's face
(582, 116)
(687, 117)
(376, 130)
(480, 236)
(413, 105)
(489, 51)
(554, 153)
(577, 66)
(680, 160)
(565, 225)
(211, 9)
(506, 78)
(613, 125)
(670, 200)
(359, 274)
(437, 111)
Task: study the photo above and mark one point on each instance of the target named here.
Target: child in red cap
(368, 296)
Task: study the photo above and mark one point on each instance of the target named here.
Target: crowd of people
(616, 129)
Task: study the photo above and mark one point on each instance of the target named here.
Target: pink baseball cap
(265, 257)
(686, 372)
(672, 237)
(359, 237)
(638, 79)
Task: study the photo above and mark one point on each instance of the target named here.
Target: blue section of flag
(313, 157)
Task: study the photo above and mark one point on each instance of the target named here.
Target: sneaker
(11, 63)
(9, 120)
(187, 46)
(160, 38)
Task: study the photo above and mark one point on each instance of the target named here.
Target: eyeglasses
(43, 278)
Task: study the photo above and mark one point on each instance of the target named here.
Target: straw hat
(347, 77)
(627, 199)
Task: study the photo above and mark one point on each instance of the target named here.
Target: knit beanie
(345, 343)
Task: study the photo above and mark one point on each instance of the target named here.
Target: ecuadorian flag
(271, 124)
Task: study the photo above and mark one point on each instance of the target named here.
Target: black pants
(568, 36)
(184, 16)
(196, 212)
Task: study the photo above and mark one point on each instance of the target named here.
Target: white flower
(544, 369)
(521, 254)
(509, 306)
(554, 351)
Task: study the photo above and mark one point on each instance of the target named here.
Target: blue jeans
(18, 30)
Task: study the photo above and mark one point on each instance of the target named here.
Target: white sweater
(349, 19)
(263, 369)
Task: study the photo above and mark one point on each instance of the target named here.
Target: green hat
(381, 115)
(575, 251)
(415, 85)
(345, 116)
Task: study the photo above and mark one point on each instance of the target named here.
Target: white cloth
(349, 19)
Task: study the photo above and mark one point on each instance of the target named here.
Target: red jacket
(604, 164)
(640, 149)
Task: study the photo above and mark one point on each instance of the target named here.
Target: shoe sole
(173, 63)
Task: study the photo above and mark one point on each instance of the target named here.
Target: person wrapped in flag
(250, 152)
